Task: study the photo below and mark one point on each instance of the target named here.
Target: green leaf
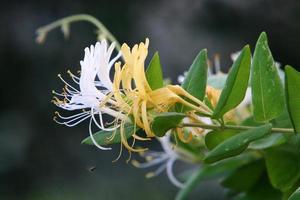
(154, 73)
(236, 84)
(295, 195)
(283, 167)
(282, 121)
(166, 121)
(212, 171)
(195, 80)
(244, 177)
(274, 139)
(267, 89)
(103, 137)
(208, 102)
(251, 122)
(237, 144)
(289, 192)
(214, 138)
(292, 87)
(262, 190)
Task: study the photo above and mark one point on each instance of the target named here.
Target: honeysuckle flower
(195, 132)
(91, 94)
(134, 95)
(164, 160)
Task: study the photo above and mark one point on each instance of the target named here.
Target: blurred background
(40, 159)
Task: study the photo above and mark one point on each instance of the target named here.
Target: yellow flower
(213, 95)
(135, 97)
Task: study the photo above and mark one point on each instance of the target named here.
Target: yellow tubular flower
(135, 96)
(213, 95)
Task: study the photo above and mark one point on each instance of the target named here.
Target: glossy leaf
(282, 121)
(166, 121)
(289, 192)
(272, 140)
(154, 73)
(103, 137)
(295, 195)
(262, 190)
(244, 177)
(283, 167)
(214, 138)
(267, 89)
(236, 84)
(251, 122)
(237, 144)
(195, 80)
(292, 87)
(212, 171)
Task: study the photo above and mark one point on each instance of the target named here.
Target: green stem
(233, 127)
(81, 17)
(189, 185)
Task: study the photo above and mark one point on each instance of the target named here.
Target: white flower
(181, 77)
(164, 160)
(196, 131)
(93, 98)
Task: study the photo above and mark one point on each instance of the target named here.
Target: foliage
(256, 158)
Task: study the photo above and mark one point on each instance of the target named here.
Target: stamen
(140, 138)
(170, 174)
(76, 79)
(72, 116)
(158, 171)
(93, 139)
(112, 136)
(59, 75)
(145, 120)
(61, 95)
(125, 143)
(129, 157)
(120, 153)
(72, 124)
(101, 121)
(151, 163)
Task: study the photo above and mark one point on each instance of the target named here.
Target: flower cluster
(221, 125)
(92, 92)
(128, 98)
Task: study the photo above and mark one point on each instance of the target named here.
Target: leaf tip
(263, 35)
(288, 68)
(202, 54)
(246, 47)
(85, 141)
(204, 50)
(262, 39)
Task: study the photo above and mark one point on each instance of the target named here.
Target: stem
(75, 18)
(232, 127)
(189, 185)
